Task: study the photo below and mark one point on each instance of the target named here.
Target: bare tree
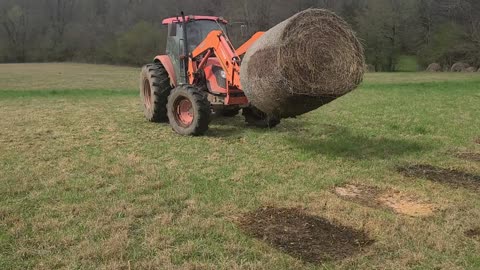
(61, 13)
(15, 24)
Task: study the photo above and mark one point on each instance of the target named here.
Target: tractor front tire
(255, 117)
(154, 91)
(189, 110)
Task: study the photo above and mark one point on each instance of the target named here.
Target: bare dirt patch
(407, 205)
(477, 140)
(364, 195)
(395, 201)
(310, 238)
(473, 233)
(451, 177)
(468, 156)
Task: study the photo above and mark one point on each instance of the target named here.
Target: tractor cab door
(175, 45)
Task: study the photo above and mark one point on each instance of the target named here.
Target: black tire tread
(161, 89)
(201, 123)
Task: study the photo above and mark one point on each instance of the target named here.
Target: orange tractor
(199, 75)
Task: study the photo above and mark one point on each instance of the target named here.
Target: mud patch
(452, 178)
(468, 156)
(395, 201)
(477, 140)
(310, 238)
(473, 233)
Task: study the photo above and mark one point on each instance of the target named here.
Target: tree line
(130, 31)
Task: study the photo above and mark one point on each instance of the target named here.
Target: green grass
(87, 183)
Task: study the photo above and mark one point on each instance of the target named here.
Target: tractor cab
(197, 29)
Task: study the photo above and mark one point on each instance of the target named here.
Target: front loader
(199, 75)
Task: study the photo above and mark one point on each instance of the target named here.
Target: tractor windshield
(197, 31)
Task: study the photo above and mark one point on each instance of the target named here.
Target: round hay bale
(434, 67)
(302, 64)
(471, 69)
(459, 67)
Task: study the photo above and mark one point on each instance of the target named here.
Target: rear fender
(167, 63)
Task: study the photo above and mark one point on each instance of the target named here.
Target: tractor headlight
(220, 76)
(223, 74)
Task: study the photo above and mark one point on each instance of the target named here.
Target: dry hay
(459, 67)
(478, 70)
(471, 69)
(302, 63)
(434, 67)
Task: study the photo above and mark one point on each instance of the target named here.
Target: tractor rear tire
(189, 110)
(255, 117)
(154, 91)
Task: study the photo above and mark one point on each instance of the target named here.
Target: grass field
(87, 183)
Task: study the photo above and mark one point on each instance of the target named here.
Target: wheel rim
(147, 94)
(184, 112)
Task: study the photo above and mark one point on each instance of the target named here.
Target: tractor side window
(172, 29)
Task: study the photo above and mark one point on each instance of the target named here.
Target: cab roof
(193, 17)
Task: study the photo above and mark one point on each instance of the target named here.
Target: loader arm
(244, 48)
(217, 43)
